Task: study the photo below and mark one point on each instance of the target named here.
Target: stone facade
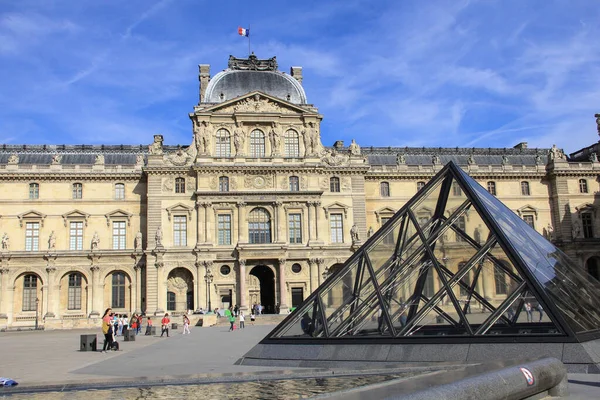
(254, 210)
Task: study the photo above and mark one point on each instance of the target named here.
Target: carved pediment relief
(527, 209)
(336, 206)
(333, 158)
(586, 208)
(385, 212)
(31, 215)
(179, 208)
(256, 102)
(76, 214)
(179, 158)
(118, 214)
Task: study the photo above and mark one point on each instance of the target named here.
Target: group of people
(120, 323)
(234, 312)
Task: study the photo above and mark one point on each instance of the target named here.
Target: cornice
(65, 175)
(249, 194)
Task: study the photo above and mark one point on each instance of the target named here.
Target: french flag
(243, 31)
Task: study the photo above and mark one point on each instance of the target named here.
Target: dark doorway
(267, 287)
(297, 296)
(593, 267)
(190, 300)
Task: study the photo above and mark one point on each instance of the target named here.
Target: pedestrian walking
(107, 329)
(541, 311)
(231, 317)
(529, 312)
(252, 318)
(139, 324)
(186, 325)
(242, 319)
(165, 325)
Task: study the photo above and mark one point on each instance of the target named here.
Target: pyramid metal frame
(460, 330)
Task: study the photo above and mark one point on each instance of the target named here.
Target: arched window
(77, 190)
(29, 292)
(118, 290)
(259, 226)
(119, 191)
(294, 184)
(257, 144)
(491, 187)
(384, 189)
(222, 143)
(334, 184)
(583, 187)
(34, 191)
(525, 188)
(291, 141)
(420, 185)
(74, 302)
(223, 184)
(179, 185)
(171, 301)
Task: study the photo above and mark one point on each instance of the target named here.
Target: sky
(466, 73)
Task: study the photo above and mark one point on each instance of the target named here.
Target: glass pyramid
(454, 262)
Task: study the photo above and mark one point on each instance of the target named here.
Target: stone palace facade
(255, 210)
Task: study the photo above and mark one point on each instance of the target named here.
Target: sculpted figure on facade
(597, 122)
(5, 242)
(471, 160)
(549, 232)
(370, 232)
(354, 234)
(156, 148)
(99, 159)
(275, 138)
(95, 241)
(138, 240)
(555, 153)
(400, 159)
(202, 138)
(435, 160)
(13, 159)
(593, 157)
(52, 241)
(354, 148)
(56, 159)
(238, 138)
(576, 228)
(505, 160)
(538, 159)
(139, 159)
(311, 138)
(158, 237)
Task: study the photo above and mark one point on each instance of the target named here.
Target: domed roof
(248, 75)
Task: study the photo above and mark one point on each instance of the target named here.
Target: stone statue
(594, 157)
(56, 159)
(306, 137)
(576, 228)
(400, 159)
(314, 137)
(354, 148)
(538, 159)
(138, 240)
(238, 138)
(275, 138)
(95, 241)
(13, 158)
(477, 235)
(52, 241)
(435, 160)
(203, 138)
(550, 232)
(370, 232)
(5, 242)
(555, 153)
(597, 122)
(505, 160)
(354, 234)
(99, 159)
(156, 148)
(471, 160)
(158, 237)
(139, 159)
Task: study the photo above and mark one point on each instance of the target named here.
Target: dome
(235, 81)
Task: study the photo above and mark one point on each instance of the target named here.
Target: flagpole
(249, 40)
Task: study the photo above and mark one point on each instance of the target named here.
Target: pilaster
(242, 284)
(283, 307)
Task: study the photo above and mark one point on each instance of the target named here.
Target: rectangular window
(34, 191)
(76, 236)
(529, 220)
(119, 235)
(456, 190)
(119, 191)
(295, 228)
(32, 236)
(460, 224)
(337, 228)
(297, 296)
(586, 223)
(499, 280)
(179, 230)
(77, 190)
(74, 292)
(29, 293)
(389, 238)
(224, 229)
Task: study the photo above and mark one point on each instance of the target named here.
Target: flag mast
(249, 40)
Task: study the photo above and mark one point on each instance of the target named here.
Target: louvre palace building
(255, 209)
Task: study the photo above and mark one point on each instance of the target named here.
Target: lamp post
(208, 278)
(37, 304)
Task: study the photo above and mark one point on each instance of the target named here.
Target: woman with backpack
(107, 329)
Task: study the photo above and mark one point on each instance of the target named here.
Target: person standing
(165, 325)
(541, 311)
(107, 329)
(149, 327)
(528, 310)
(242, 319)
(125, 322)
(252, 318)
(231, 318)
(186, 325)
(120, 325)
(139, 324)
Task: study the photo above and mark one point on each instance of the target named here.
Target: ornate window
(587, 225)
(389, 238)
(583, 186)
(119, 235)
(294, 184)
(525, 188)
(336, 226)
(334, 184)
(179, 230)
(29, 292)
(491, 187)
(499, 280)
(224, 229)
(420, 185)
(460, 224)
(259, 226)
(257, 144)
(171, 301)
(119, 191)
(74, 302)
(291, 141)
(456, 190)
(179, 185)
(466, 281)
(530, 220)
(76, 235)
(77, 191)
(32, 236)
(223, 184)
(34, 191)
(384, 189)
(222, 143)
(295, 228)
(118, 290)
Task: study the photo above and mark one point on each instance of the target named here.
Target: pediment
(31, 214)
(118, 214)
(256, 102)
(384, 211)
(76, 214)
(179, 208)
(527, 209)
(336, 205)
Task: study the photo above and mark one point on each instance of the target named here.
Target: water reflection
(280, 389)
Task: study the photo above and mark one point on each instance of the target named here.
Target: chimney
(296, 73)
(521, 146)
(204, 78)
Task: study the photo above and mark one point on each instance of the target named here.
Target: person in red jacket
(165, 325)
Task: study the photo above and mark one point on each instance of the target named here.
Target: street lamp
(37, 303)
(208, 278)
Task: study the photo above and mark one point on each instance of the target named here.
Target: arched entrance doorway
(593, 267)
(266, 283)
(342, 290)
(180, 291)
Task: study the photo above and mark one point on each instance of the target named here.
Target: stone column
(52, 290)
(310, 220)
(136, 295)
(208, 225)
(95, 291)
(320, 269)
(199, 227)
(242, 285)
(160, 266)
(242, 238)
(199, 286)
(314, 274)
(317, 205)
(282, 224)
(283, 308)
(276, 223)
(3, 289)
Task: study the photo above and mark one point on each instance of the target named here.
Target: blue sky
(487, 73)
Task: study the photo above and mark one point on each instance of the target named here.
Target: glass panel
(338, 298)
(371, 322)
(425, 207)
(381, 253)
(304, 322)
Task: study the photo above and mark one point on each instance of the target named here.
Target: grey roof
(75, 154)
(229, 84)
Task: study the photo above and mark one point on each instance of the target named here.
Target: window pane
(180, 230)
(291, 144)
(34, 191)
(77, 190)
(74, 301)
(119, 191)
(337, 228)
(529, 220)
(294, 184)
(384, 189)
(583, 186)
(224, 229)
(525, 188)
(119, 235)
(179, 185)
(586, 222)
(32, 236)
(259, 226)
(222, 145)
(295, 228)
(420, 185)
(223, 184)
(29, 292)
(76, 236)
(118, 290)
(257, 144)
(491, 186)
(334, 184)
